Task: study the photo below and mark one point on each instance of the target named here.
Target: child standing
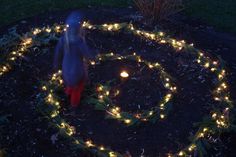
(70, 55)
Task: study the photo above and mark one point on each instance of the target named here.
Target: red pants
(75, 93)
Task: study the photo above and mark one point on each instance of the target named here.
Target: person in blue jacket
(71, 54)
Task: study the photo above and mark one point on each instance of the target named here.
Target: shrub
(157, 10)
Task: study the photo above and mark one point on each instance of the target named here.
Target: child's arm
(57, 64)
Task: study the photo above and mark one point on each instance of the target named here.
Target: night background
(160, 81)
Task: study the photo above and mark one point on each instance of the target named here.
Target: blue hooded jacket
(71, 52)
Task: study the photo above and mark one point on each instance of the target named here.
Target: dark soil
(27, 133)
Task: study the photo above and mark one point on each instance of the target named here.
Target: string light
(162, 116)
(114, 111)
(181, 153)
(112, 154)
(207, 65)
(89, 143)
(102, 148)
(124, 74)
(25, 44)
(179, 45)
(221, 119)
(127, 121)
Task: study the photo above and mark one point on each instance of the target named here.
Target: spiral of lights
(220, 116)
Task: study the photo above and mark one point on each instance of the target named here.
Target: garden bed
(29, 133)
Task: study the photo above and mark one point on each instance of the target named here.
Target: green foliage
(208, 123)
(201, 150)
(9, 39)
(7, 42)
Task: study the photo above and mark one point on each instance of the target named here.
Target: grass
(13, 10)
(219, 13)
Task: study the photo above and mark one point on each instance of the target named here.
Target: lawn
(11, 11)
(221, 14)
(218, 13)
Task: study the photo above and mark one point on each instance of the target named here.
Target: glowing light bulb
(117, 109)
(102, 148)
(207, 65)
(100, 97)
(118, 115)
(162, 116)
(27, 41)
(117, 92)
(227, 98)
(36, 31)
(213, 69)
(192, 147)
(215, 62)
(48, 30)
(161, 33)
(150, 66)
(150, 113)
(54, 114)
(124, 74)
(92, 63)
(89, 143)
(167, 85)
(163, 41)
(116, 25)
(201, 134)
(61, 81)
(112, 154)
(100, 88)
(127, 121)
(217, 99)
(181, 153)
(224, 85)
(63, 125)
(220, 76)
(152, 36)
(44, 88)
(214, 115)
(110, 27)
(205, 129)
(132, 27)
